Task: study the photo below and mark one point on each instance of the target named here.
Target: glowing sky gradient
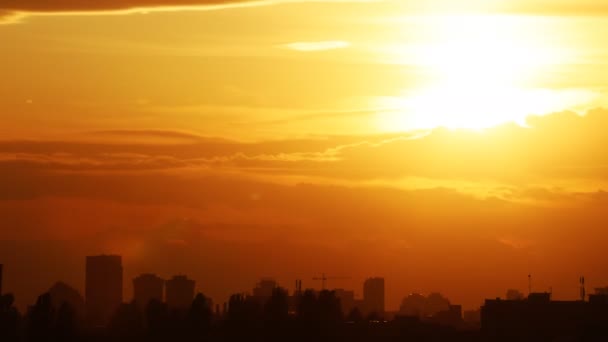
(452, 146)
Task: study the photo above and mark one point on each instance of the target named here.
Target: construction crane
(325, 278)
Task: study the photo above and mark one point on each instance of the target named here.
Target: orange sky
(456, 146)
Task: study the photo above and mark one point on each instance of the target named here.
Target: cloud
(515, 243)
(317, 46)
(153, 134)
(561, 151)
(12, 11)
(556, 7)
(10, 17)
(543, 7)
(166, 205)
(107, 5)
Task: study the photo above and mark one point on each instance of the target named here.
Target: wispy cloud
(317, 46)
(13, 11)
(503, 158)
(123, 7)
(515, 243)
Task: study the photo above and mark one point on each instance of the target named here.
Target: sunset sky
(450, 146)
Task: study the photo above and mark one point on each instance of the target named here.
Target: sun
(479, 71)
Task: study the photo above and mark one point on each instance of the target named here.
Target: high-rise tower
(103, 288)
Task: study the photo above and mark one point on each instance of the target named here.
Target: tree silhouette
(127, 321)
(276, 309)
(277, 324)
(9, 319)
(319, 315)
(61, 292)
(243, 309)
(355, 316)
(157, 319)
(66, 323)
(41, 319)
(330, 310)
(373, 317)
(244, 316)
(307, 306)
(199, 317)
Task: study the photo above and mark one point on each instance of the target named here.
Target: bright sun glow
(479, 72)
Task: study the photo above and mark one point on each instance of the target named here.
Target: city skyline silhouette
(299, 170)
(162, 309)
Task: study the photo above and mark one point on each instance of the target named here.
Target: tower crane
(325, 278)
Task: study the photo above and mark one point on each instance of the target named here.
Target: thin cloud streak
(317, 46)
(16, 11)
(17, 16)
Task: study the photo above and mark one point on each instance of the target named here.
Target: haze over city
(453, 147)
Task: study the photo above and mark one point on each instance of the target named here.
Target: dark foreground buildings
(103, 287)
(371, 305)
(272, 314)
(538, 318)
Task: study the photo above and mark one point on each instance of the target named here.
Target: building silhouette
(264, 289)
(147, 287)
(451, 317)
(413, 305)
(538, 318)
(347, 300)
(179, 292)
(1, 269)
(103, 287)
(435, 303)
(601, 291)
(472, 317)
(373, 296)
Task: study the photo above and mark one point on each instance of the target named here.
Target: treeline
(317, 317)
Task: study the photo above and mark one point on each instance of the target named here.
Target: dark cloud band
(100, 5)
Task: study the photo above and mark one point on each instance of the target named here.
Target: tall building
(103, 287)
(179, 292)
(373, 296)
(147, 287)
